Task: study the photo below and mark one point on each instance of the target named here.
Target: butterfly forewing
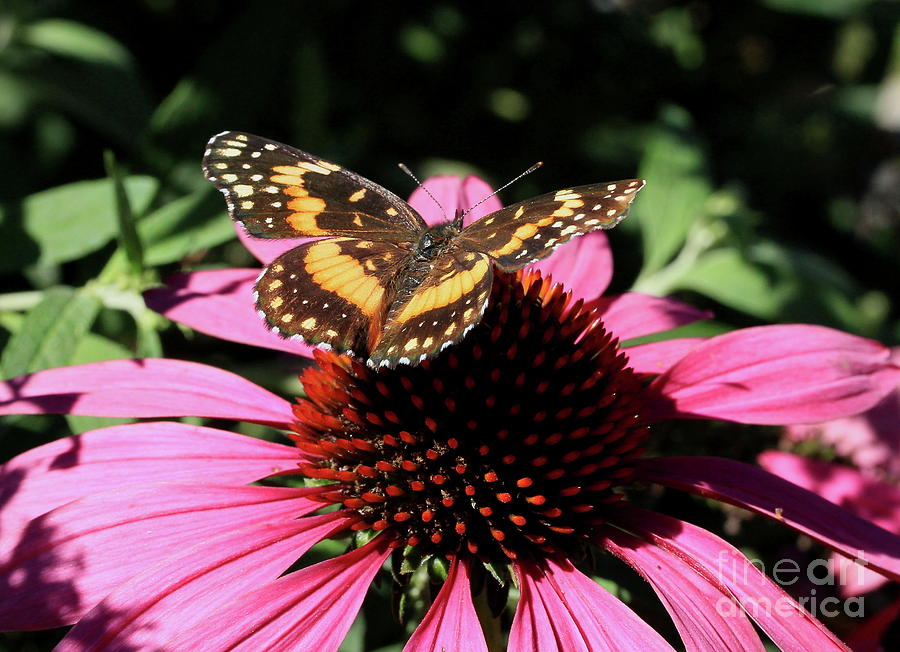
(522, 233)
(330, 292)
(444, 300)
(276, 191)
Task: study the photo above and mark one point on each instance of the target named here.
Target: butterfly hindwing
(437, 307)
(276, 191)
(330, 292)
(522, 233)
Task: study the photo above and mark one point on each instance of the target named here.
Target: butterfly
(379, 282)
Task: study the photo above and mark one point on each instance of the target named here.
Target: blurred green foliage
(768, 131)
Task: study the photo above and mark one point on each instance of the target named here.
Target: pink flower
(871, 440)
(866, 497)
(510, 447)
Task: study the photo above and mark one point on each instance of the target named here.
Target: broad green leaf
(726, 276)
(705, 328)
(128, 235)
(185, 226)
(50, 333)
(96, 348)
(676, 190)
(76, 40)
(65, 223)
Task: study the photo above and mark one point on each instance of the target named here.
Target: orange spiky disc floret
(510, 444)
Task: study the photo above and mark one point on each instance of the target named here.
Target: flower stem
(493, 633)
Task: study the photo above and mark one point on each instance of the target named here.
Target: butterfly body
(380, 282)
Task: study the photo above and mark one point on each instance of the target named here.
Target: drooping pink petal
(68, 469)
(655, 358)
(689, 598)
(451, 619)
(220, 303)
(267, 249)
(870, 499)
(871, 440)
(752, 488)
(173, 596)
(583, 265)
(789, 626)
(775, 375)
(311, 609)
(148, 387)
(72, 557)
(561, 609)
(633, 314)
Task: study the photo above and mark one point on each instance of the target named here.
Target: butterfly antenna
(500, 189)
(403, 167)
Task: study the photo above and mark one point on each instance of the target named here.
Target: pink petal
(68, 469)
(149, 387)
(220, 303)
(583, 265)
(757, 490)
(172, 597)
(688, 597)
(562, 609)
(267, 249)
(871, 440)
(451, 619)
(633, 314)
(870, 499)
(777, 375)
(790, 627)
(453, 194)
(311, 609)
(655, 358)
(72, 557)
(475, 190)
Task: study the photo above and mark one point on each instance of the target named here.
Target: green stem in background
(129, 239)
(20, 301)
(662, 282)
(493, 632)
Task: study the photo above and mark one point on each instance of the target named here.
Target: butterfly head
(433, 239)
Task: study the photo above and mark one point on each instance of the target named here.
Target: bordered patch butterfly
(380, 282)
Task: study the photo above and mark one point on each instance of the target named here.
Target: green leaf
(96, 348)
(676, 191)
(185, 226)
(50, 332)
(76, 40)
(65, 223)
(726, 276)
(128, 235)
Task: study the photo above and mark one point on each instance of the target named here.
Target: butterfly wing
(440, 302)
(331, 292)
(522, 233)
(276, 191)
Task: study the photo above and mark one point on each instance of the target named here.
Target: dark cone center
(509, 444)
